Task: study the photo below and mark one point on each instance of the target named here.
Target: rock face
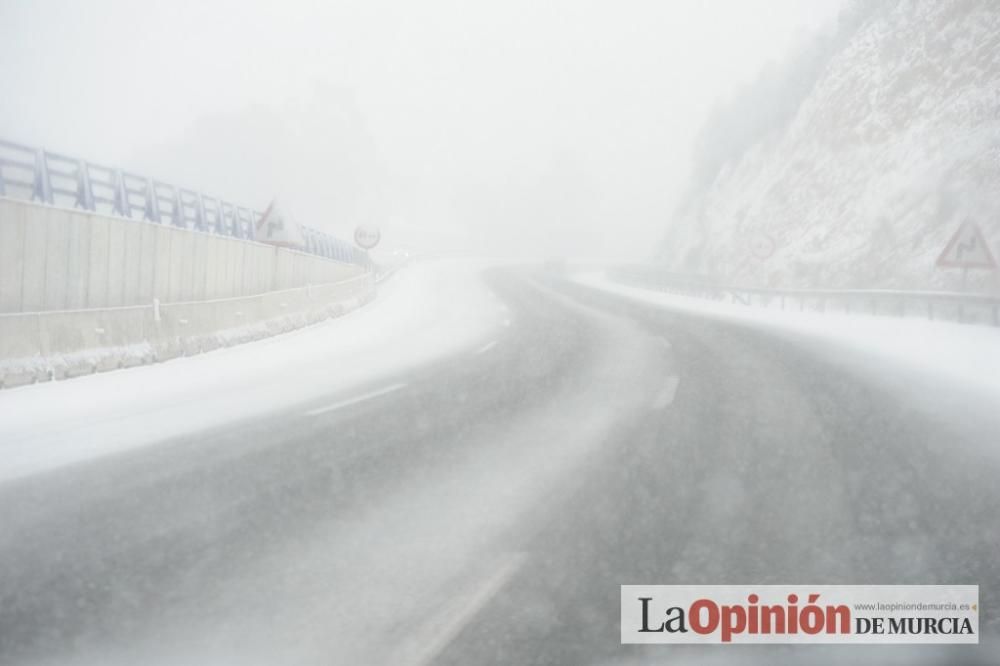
(894, 142)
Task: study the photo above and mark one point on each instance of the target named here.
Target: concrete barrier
(84, 292)
(39, 346)
(63, 259)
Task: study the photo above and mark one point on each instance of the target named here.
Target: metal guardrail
(931, 305)
(42, 175)
(55, 179)
(331, 247)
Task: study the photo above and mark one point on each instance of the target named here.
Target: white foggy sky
(549, 128)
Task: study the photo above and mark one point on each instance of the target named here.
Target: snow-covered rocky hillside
(891, 142)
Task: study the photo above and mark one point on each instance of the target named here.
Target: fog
(515, 128)
(572, 320)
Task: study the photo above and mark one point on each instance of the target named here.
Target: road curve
(485, 509)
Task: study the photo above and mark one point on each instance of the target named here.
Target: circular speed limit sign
(367, 237)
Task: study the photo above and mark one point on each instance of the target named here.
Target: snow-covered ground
(891, 149)
(953, 369)
(425, 312)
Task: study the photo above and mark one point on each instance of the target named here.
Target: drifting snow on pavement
(426, 312)
(960, 361)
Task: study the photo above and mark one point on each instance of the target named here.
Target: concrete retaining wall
(39, 346)
(60, 259)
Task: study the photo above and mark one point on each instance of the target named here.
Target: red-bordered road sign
(367, 237)
(967, 249)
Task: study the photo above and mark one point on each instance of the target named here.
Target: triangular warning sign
(276, 227)
(967, 249)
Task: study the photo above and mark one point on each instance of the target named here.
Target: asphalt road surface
(486, 509)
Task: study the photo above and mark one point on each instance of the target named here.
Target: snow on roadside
(947, 366)
(426, 312)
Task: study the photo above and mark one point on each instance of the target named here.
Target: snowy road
(484, 505)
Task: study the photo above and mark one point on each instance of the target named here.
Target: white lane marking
(666, 394)
(356, 399)
(485, 348)
(451, 625)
